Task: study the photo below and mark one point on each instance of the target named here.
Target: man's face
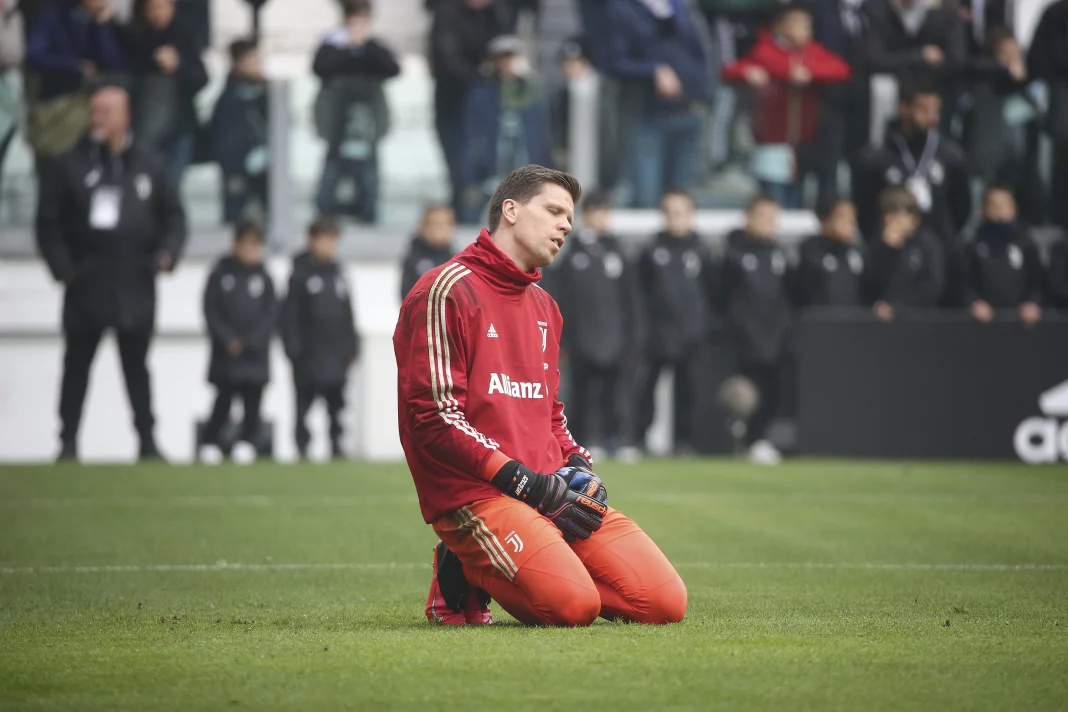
(596, 219)
(323, 247)
(999, 206)
(678, 215)
(95, 7)
(542, 225)
(923, 113)
(796, 28)
(504, 64)
(438, 227)
(159, 13)
(249, 250)
(250, 66)
(109, 114)
(762, 221)
(1008, 51)
(841, 224)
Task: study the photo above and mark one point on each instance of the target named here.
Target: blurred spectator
(830, 268)
(906, 265)
(1006, 121)
(914, 39)
(109, 220)
(785, 69)
(11, 53)
(168, 74)
(1002, 267)
(597, 294)
(351, 113)
(678, 283)
(574, 65)
(71, 47)
(932, 166)
(460, 34)
(758, 310)
(656, 49)
(239, 136)
(241, 310)
(195, 17)
(980, 18)
(1058, 274)
(431, 247)
(505, 126)
(1047, 60)
(593, 14)
(319, 331)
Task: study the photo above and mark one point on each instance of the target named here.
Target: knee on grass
(572, 606)
(664, 604)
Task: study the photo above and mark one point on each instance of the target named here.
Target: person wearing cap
(506, 125)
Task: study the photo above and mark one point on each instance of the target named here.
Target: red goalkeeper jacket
(478, 349)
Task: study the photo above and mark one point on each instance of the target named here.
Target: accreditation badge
(105, 207)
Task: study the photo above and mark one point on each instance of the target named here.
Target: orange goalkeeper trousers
(521, 559)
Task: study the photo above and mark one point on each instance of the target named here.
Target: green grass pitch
(813, 586)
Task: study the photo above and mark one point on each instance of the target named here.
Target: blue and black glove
(573, 498)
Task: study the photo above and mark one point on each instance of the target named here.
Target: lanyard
(930, 148)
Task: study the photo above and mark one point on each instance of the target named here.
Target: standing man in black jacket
(830, 268)
(918, 156)
(597, 294)
(1047, 60)
(319, 332)
(459, 39)
(241, 310)
(109, 221)
(1002, 266)
(431, 247)
(758, 310)
(678, 285)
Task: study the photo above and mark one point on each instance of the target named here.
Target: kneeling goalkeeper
(521, 516)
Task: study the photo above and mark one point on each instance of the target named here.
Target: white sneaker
(210, 454)
(244, 453)
(629, 455)
(764, 453)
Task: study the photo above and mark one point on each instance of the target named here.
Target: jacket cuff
(493, 464)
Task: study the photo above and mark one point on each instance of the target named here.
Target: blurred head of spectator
(793, 26)
(919, 110)
(597, 212)
(248, 242)
(109, 118)
(838, 218)
(1005, 49)
(154, 15)
(762, 218)
(678, 208)
(324, 234)
(245, 60)
(357, 20)
(999, 205)
(438, 226)
(505, 55)
(901, 215)
(574, 59)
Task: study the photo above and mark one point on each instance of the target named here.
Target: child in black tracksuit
(319, 331)
(240, 308)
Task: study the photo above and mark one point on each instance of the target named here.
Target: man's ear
(509, 210)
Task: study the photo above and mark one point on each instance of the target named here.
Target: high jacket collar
(496, 268)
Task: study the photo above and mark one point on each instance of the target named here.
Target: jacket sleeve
(568, 446)
(959, 191)
(259, 338)
(370, 60)
(408, 275)
(289, 317)
(1032, 272)
(967, 276)
(51, 237)
(618, 57)
(827, 67)
(109, 51)
(171, 216)
(934, 283)
(47, 48)
(882, 60)
(448, 59)
(219, 331)
(431, 350)
(191, 71)
(352, 334)
(1048, 56)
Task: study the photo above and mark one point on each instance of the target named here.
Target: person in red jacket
(786, 68)
(477, 346)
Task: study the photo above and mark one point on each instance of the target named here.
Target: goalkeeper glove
(575, 513)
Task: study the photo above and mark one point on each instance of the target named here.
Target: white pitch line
(393, 566)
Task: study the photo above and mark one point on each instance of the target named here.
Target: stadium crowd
(927, 140)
